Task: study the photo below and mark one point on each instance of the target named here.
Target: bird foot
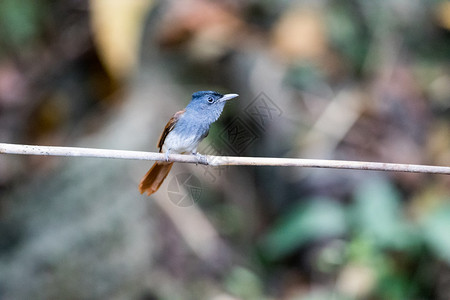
(201, 159)
(167, 155)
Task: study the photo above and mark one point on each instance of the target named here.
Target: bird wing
(169, 127)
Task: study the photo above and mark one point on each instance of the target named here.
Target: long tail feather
(151, 182)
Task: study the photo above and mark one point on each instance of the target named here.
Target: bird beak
(228, 97)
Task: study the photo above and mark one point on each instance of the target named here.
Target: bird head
(209, 104)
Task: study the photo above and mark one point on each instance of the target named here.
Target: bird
(183, 133)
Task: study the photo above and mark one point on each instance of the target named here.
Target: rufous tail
(151, 182)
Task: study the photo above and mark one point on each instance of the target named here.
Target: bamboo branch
(218, 160)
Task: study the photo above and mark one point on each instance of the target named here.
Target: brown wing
(169, 127)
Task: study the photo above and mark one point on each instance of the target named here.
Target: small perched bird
(182, 134)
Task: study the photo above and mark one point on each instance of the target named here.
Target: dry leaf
(300, 34)
(117, 26)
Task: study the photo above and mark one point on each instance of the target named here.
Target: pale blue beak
(228, 97)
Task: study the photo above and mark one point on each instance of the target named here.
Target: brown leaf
(300, 34)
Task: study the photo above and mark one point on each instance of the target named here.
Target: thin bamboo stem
(219, 160)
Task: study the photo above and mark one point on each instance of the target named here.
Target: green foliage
(346, 35)
(323, 295)
(377, 215)
(306, 76)
(379, 237)
(19, 21)
(316, 219)
(436, 231)
(244, 284)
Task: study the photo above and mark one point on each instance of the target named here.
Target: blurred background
(336, 79)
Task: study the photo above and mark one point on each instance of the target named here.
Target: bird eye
(210, 99)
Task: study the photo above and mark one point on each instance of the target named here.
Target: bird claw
(167, 155)
(201, 159)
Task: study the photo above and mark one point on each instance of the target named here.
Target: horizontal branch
(219, 160)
